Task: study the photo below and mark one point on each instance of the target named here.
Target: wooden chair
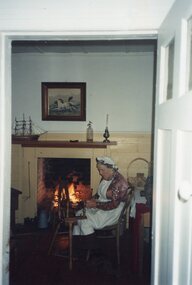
(117, 229)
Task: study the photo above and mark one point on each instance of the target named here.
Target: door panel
(163, 166)
(184, 208)
(172, 203)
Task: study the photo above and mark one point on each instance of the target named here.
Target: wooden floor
(30, 263)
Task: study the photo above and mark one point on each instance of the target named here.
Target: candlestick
(106, 135)
(107, 120)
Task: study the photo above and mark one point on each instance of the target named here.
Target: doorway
(108, 45)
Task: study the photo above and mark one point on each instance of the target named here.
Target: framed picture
(63, 101)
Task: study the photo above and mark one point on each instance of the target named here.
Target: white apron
(97, 218)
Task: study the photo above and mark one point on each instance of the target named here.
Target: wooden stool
(70, 221)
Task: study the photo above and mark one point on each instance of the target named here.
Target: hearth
(62, 182)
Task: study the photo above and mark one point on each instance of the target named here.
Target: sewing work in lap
(105, 207)
(97, 218)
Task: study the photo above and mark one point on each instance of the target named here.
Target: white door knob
(185, 191)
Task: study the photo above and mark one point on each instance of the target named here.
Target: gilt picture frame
(63, 101)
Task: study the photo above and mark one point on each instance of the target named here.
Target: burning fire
(73, 195)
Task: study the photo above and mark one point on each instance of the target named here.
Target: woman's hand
(91, 203)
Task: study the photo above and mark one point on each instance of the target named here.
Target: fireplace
(66, 179)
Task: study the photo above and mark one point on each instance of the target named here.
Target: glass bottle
(89, 132)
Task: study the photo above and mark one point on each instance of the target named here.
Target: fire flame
(73, 196)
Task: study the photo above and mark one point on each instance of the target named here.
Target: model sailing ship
(26, 130)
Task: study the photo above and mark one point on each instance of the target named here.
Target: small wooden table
(14, 205)
(138, 226)
(144, 223)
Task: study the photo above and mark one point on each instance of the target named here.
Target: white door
(172, 199)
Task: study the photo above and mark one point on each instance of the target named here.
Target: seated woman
(105, 206)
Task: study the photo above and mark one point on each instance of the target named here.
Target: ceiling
(84, 46)
(88, 17)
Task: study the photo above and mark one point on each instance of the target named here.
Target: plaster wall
(118, 84)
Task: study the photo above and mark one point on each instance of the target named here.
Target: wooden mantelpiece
(63, 144)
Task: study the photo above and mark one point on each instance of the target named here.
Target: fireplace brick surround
(124, 148)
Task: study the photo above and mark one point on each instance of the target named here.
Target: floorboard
(30, 263)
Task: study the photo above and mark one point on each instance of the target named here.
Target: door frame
(6, 39)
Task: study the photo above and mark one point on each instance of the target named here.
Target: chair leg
(90, 244)
(53, 239)
(88, 255)
(118, 251)
(118, 246)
